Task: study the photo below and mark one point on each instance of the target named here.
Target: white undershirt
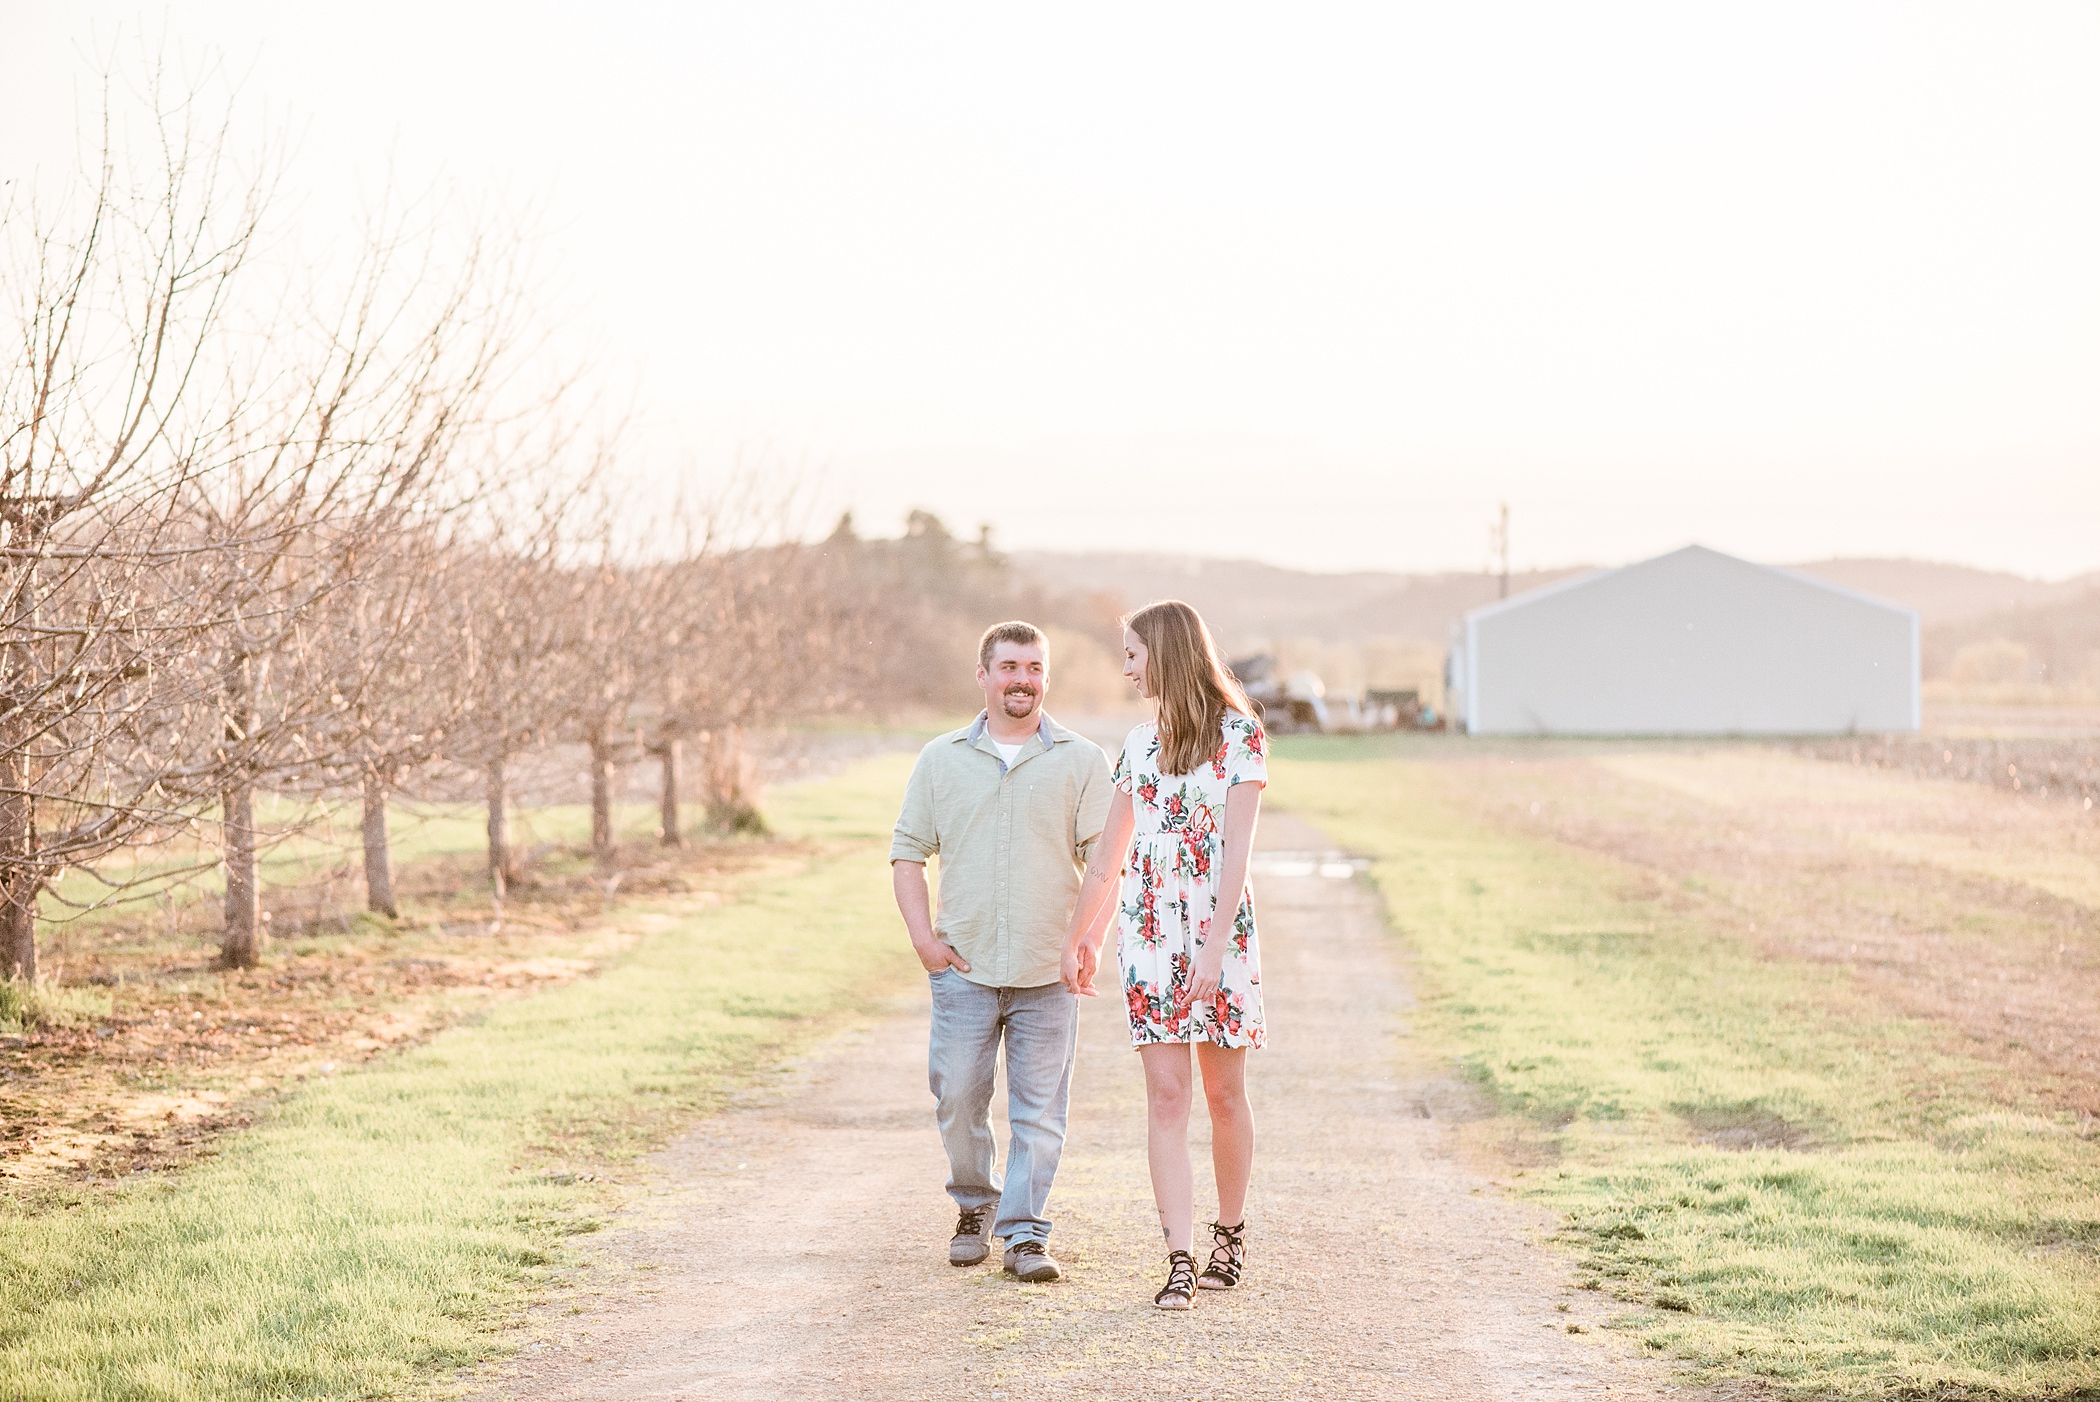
(1009, 753)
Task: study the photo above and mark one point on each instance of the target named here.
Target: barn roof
(1686, 554)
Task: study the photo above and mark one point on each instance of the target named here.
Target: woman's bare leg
(1168, 1077)
(1231, 1127)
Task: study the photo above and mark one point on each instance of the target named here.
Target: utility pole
(1498, 546)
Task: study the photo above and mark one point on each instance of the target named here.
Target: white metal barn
(1690, 643)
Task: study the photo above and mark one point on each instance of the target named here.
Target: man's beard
(1019, 703)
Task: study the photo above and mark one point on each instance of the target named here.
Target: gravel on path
(796, 1248)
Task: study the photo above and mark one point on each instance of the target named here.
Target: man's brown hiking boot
(973, 1235)
(1027, 1260)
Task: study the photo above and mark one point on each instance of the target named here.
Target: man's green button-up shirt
(1012, 842)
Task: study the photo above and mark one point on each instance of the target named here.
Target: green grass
(25, 1005)
(308, 843)
(1897, 1229)
(374, 1226)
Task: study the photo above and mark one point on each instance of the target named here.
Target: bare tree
(710, 665)
(516, 656)
(403, 653)
(116, 296)
(681, 590)
(396, 664)
(341, 434)
(260, 537)
(613, 632)
(767, 645)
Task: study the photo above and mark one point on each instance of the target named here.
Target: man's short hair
(1026, 634)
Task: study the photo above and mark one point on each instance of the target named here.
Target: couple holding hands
(1042, 847)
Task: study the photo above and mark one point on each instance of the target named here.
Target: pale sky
(1311, 284)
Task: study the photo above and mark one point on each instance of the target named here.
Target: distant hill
(2049, 644)
(1247, 602)
(1945, 594)
(1250, 603)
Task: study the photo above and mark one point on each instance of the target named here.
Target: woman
(1180, 828)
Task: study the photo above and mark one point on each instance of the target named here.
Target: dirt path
(796, 1248)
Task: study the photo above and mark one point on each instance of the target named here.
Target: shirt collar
(983, 723)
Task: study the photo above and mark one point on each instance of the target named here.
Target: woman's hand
(1207, 972)
(1242, 811)
(1096, 905)
(1082, 958)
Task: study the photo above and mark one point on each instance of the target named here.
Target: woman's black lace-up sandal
(1179, 1293)
(1227, 1259)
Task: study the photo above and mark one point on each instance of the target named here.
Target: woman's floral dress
(1170, 891)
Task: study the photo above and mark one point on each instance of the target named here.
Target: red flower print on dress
(1199, 840)
(1179, 991)
(1170, 902)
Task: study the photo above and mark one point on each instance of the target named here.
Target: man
(1012, 804)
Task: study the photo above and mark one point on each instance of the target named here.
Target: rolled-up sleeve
(1090, 815)
(916, 838)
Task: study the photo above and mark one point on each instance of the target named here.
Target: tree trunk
(20, 881)
(18, 929)
(379, 850)
(731, 779)
(241, 941)
(240, 946)
(18, 926)
(500, 867)
(669, 832)
(18, 876)
(601, 791)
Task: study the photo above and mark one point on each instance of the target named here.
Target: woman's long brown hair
(1190, 682)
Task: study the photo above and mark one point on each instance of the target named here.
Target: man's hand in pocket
(938, 954)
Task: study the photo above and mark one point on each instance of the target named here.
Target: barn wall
(1693, 643)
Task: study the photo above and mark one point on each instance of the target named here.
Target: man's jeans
(1041, 1027)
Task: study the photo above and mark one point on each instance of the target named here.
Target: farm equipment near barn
(1299, 703)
